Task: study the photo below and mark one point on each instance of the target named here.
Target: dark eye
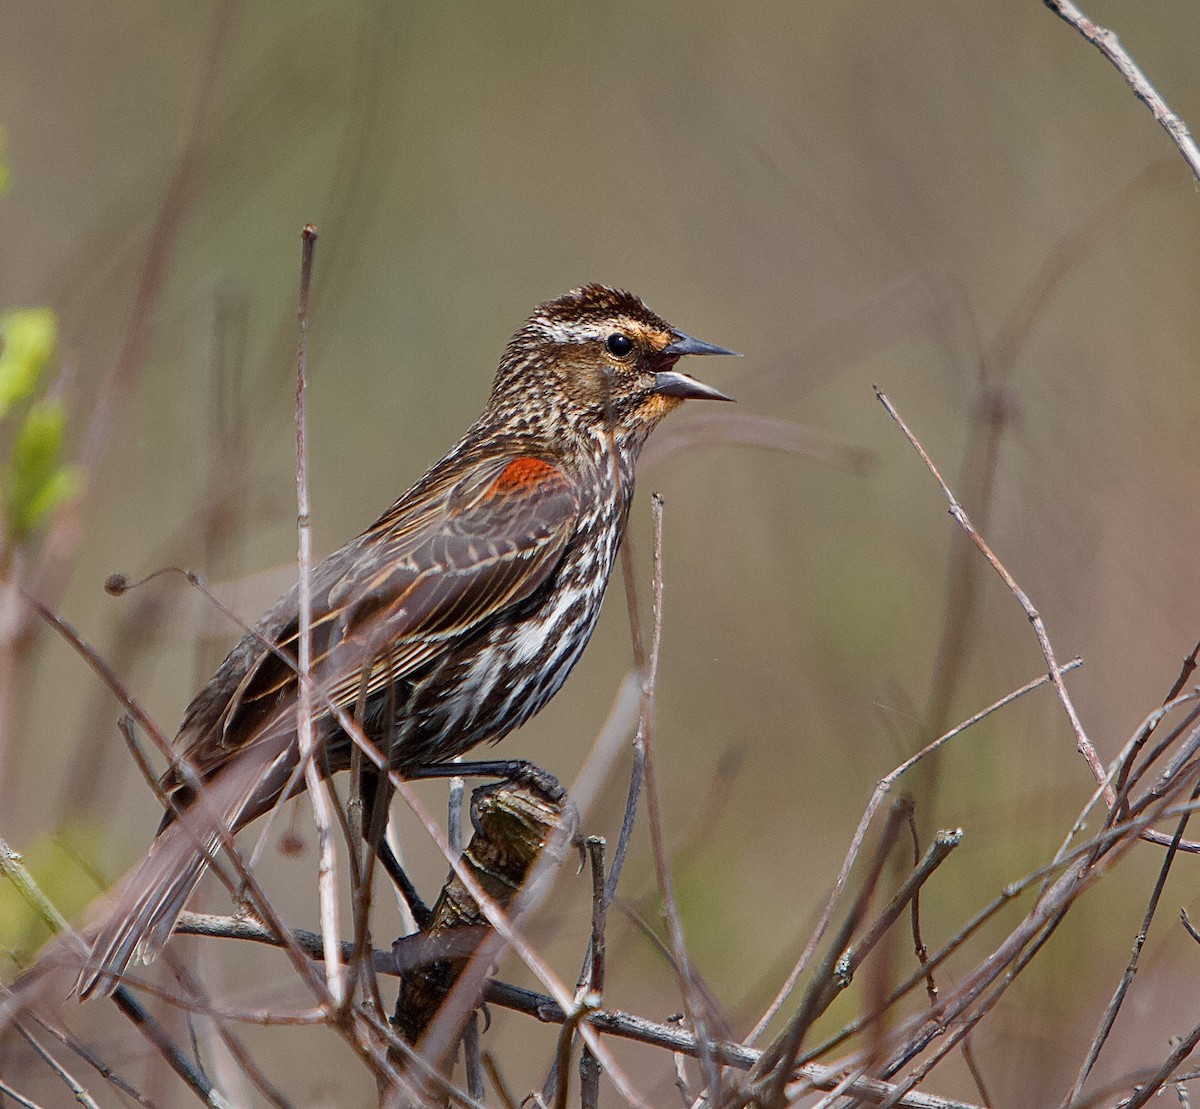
(618, 345)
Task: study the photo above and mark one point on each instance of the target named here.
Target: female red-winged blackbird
(452, 619)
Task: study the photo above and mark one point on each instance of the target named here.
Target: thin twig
(101, 1068)
(20, 1099)
(1188, 926)
(968, 1054)
(473, 1058)
(719, 429)
(454, 810)
(472, 1052)
(1185, 672)
(316, 782)
(944, 843)
(498, 1083)
(1089, 865)
(693, 1000)
(1105, 839)
(1116, 772)
(626, 708)
(12, 868)
(175, 1057)
(1110, 46)
(592, 984)
(775, 1068)
(1082, 742)
(80, 1094)
(1114, 1006)
(628, 818)
(919, 948)
(882, 788)
(233, 1044)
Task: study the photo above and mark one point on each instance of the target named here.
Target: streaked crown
(597, 356)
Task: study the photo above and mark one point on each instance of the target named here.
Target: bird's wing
(455, 552)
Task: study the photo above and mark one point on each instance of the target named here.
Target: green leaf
(38, 481)
(29, 338)
(4, 174)
(54, 863)
(63, 485)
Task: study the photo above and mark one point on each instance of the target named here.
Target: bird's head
(599, 359)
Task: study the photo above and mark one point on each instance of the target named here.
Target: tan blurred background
(848, 194)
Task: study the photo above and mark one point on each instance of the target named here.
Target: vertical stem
(693, 1002)
(472, 1051)
(317, 785)
(589, 1066)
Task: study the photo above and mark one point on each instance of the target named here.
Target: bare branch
(956, 510)
(1110, 46)
(882, 788)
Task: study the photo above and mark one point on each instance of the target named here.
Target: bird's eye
(618, 345)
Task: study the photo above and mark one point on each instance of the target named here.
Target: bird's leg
(376, 792)
(518, 771)
(509, 770)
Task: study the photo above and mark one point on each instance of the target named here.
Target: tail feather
(153, 895)
(148, 905)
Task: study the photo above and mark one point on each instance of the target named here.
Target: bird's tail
(148, 905)
(154, 893)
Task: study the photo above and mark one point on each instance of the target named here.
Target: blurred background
(961, 203)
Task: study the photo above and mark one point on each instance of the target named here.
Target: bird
(447, 623)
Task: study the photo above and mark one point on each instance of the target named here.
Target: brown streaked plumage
(452, 619)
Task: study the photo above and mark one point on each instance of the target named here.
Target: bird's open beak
(685, 344)
(672, 383)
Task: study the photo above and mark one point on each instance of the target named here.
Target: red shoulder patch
(521, 473)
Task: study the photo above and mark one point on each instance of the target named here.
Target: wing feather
(458, 550)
